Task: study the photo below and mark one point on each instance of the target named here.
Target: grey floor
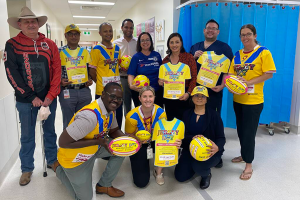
(276, 175)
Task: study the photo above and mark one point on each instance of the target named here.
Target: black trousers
(119, 113)
(158, 98)
(140, 166)
(175, 108)
(187, 166)
(247, 119)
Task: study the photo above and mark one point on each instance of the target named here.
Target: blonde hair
(146, 88)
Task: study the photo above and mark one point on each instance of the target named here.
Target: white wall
(146, 9)
(14, 9)
(90, 38)
(39, 8)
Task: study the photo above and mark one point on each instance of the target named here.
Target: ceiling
(112, 13)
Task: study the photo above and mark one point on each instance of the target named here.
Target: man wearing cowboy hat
(33, 69)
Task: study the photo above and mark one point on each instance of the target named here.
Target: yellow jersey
(174, 77)
(249, 66)
(75, 62)
(212, 65)
(135, 120)
(70, 158)
(106, 62)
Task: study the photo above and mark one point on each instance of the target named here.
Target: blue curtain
(277, 28)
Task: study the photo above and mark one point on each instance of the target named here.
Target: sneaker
(159, 178)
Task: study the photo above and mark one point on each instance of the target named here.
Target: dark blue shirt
(146, 65)
(218, 47)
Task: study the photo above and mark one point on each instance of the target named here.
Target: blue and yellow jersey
(106, 62)
(70, 158)
(135, 119)
(168, 130)
(249, 66)
(75, 62)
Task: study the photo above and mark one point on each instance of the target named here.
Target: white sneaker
(159, 178)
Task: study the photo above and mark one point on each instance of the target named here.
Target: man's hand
(37, 102)
(89, 83)
(65, 82)
(217, 88)
(198, 54)
(161, 82)
(103, 143)
(47, 102)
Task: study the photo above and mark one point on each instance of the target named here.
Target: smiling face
(248, 38)
(199, 99)
(147, 99)
(29, 27)
(145, 42)
(106, 33)
(211, 32)
(72, 37)
(112, 98)
(175, 44)
(127, 29)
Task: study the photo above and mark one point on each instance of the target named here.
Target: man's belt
(77, 86)
(126, 77)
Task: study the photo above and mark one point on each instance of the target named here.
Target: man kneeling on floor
(86, 139)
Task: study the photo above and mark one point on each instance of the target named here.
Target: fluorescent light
(88, 24)
(92, 3)
(89, 29)
(94, 17)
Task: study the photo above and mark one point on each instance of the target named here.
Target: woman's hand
(213, 149)
(197, 136)
(135, 88)
(161, 82)
(178, 143)
(184, 97)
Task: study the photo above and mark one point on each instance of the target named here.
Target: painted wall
(146, 9)
(13, 10)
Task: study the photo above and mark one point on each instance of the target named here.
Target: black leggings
(247, 119)
(175, 108)
(140, 166)
(187, 166)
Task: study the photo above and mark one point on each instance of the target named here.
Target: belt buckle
(76, 87)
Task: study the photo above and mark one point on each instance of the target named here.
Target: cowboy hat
(26, 13)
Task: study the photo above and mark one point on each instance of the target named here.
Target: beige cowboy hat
(26, 13)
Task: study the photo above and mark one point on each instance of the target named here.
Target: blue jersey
(146, 65)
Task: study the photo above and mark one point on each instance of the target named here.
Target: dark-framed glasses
(114, 97)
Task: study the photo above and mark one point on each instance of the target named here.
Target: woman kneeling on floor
(200, 121)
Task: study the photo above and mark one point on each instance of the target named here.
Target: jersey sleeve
(268, 65)
(155, 132)
(130, 125)
(226, 65)
(231, 68)
(161, 72)
(95, 56)
(187, 73)
(87, 56)
(200, 59)
(62, 58)
(132, 69)
(162, 116)
(181, 131)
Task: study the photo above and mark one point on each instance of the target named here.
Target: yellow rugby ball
(198, 147)
(235, 85)
(125, 62)
(124, 146)
(141, 81)
(143, 135)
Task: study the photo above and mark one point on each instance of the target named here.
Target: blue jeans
(28, 115)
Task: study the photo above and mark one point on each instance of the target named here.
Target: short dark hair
(212, 21)
(111, 84)
(182, 50)
(138, 45)
(104, 23)
(127, 20)
(251, 27)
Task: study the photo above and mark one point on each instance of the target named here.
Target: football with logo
(198, 147)
(124, 146)
(143, 135)
(141, 81)
(125, 62)
(235, 85)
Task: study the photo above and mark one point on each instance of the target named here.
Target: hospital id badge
(149, 152)
(66, 94)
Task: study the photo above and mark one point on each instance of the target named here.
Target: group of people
(39, 72)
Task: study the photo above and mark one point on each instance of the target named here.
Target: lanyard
(145, 123)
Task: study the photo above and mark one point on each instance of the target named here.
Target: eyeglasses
(144, 41)
(73, 34)
(246, 35)
(211, 29)
(114, 97)
(199, 96)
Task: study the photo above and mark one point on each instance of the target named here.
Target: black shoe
(205, 182)
(220, 164)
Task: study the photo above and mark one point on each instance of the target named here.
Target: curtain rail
(296, 3)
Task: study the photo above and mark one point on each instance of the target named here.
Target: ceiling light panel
(91, 17)
(92, 3)
(88, 24)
